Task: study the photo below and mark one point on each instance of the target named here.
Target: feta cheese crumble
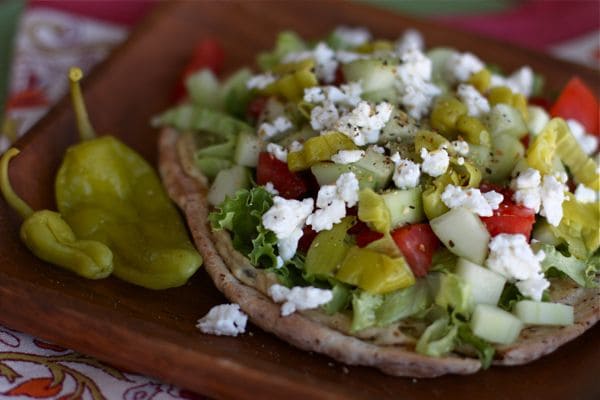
(414, 83)
(352, 36)
(224, 320)
(347, 156)
(286, 219)
(435, 163)
(332, 201)
(460, 66)
(512, 257)
(584, 194)
(477, 104)
(325, 61)
(296, 146)
(406, 173)
(588, 143)
(553, 195)
(260, 81)
(347, 94)
(278, 151)
(269, 130)
(324, 117)
(461, 147)
(520, 81)
(364, 123)
(411, 39)
(482, 204)
(299, 298)
(527, 189)
(269, 187)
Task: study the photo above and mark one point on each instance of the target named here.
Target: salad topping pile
(423, 191)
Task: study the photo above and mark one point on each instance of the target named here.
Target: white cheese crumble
(347, 94)
(299, 298)
(482, 204)
(511, 257)
(296, 146)
(268, 130)
(584, 194)
(278, 151)
(477, 104)
(411, 39)
(377, 149)
(224, 320)
(435, 163)
(352, 36)
(260, 81)
(460, 161)
(364, 123)
(553, 195)
(588, 143)
(269, 187)
(460, 146)
(324, 117)
(527, 189)
(520, 81)
(346, 57)
(460, 66)
(406, 173)
(537, 120)
(414, 83)
(325, 61)
(332, 201)
(347, 156)
(286, 219)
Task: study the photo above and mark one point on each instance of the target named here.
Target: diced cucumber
(399, 126)
(210, 166)
(327, 173)
(373, 74)
(463, 233)
(218, 150)
(300, 136)
(486, 285)
(480, 155)
(236, 95)
(389, 94)
(439, 57)
(226, 183)
(537, 119)
(406, 206)
(247, 149)
(506, 152)
(378, 166)
(204, 89)
(539, 313)
(543, 232)
(494, 324)
(506, 120)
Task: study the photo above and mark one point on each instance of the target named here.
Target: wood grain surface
(153, 332)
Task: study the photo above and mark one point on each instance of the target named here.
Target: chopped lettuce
(242, 216)
(438, 339)
(364, 306)
(403, 303)
(451, 293)
(341, 298)
(484, 350)
(582, 272)
(510, 295)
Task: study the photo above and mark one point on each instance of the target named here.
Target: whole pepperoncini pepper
(50, 238)
(109, 193)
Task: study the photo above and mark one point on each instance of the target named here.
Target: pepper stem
(86, 131)
(7, 191)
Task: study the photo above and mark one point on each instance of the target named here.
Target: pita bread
(387, 349)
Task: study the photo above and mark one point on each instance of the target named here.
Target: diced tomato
(308, 235)
(578, 101)
(540, 102)
(510, 217)
(367, 236)
(33, 97)
(208, 53)
(289, 184)
(339, 77)
(417, 243)
(256, 107)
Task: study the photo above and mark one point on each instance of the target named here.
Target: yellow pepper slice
(294, 78)
(319, 148)
(373, 211)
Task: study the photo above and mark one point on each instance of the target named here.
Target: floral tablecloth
(54, 35)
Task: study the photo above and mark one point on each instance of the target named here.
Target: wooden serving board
(152, 332)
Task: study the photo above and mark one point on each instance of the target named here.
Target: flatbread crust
(308, 330)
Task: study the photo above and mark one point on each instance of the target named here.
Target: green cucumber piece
(439, 57)
(236, 95)
(210, 166)
(463, 233)
(506, 120)
(537, 119)
(494, 324)
(400, 126)
(326, 173)
(378, 166)
(486, 285)
(543, 232)
(406, 206)
(247, 149)
(373, 74)
(480, 155)
(539, 313)
(506, 152)
(204, 89)
(300, 136)
(226, 183)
